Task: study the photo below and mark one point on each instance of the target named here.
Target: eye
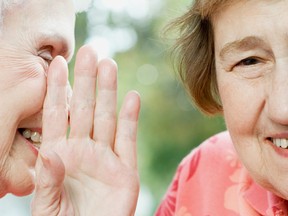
(252, 67)
(46, 54)
(248, 61)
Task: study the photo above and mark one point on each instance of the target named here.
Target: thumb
(50, 172)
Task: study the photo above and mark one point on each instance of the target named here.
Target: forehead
(45, 12)
(255, 18)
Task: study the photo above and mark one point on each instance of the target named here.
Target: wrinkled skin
(251, 61)
(40, 29)
(95, 167)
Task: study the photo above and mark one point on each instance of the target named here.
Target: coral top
(211, 181)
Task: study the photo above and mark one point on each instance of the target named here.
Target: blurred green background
(131, 32)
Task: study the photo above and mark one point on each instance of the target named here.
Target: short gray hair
(6, 5)
(80, 5)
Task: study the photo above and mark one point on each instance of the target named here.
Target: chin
(24, 191)
(280, 191)
(18, 174)
(22, 187)
(275, 187)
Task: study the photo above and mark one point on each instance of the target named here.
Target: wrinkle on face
(244, 45)
(22, 67)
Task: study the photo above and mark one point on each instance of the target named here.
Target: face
(251, 51)
(32, 34)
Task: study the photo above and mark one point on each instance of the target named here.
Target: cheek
(26, 68)
(242, 105)
(24, 85)
(33, 97)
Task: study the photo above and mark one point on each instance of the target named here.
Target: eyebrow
(244, 44)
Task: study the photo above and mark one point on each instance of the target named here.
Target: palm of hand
(98, 159)
(96, 174)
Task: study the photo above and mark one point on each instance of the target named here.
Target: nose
(278, 95)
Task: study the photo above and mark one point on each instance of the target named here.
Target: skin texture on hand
(97, 161)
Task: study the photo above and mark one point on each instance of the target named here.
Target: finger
(50, 174)
(55, 105)
(84, 91)
(105, 112)
(126, 136)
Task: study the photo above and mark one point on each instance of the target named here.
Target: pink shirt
(211, 181)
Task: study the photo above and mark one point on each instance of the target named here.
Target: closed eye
(46, 54)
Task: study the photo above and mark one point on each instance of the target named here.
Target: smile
(282, 143)
(34, 137)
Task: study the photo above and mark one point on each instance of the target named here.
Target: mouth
(279, 142)
(33, 136)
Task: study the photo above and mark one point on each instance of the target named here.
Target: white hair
(7, 4)
(80, 5)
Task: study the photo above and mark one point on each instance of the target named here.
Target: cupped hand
(93, 170)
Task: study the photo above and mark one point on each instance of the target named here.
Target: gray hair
(80, 6)
(7, 5)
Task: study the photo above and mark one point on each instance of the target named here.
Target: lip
(283, 135)
(280, 151)
(29, 144)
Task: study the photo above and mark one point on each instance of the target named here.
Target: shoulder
(214, 151)
(202, 178)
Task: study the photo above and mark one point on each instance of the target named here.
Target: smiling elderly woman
(234, 60)
(27, 45)
(36, 41)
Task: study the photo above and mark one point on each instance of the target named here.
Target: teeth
(33, 135)
(27, 133)
(283, 143)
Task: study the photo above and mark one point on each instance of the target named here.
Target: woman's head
(33, 32)
(241, 49)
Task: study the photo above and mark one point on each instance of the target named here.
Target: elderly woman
(97, 160)
(234, 60)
